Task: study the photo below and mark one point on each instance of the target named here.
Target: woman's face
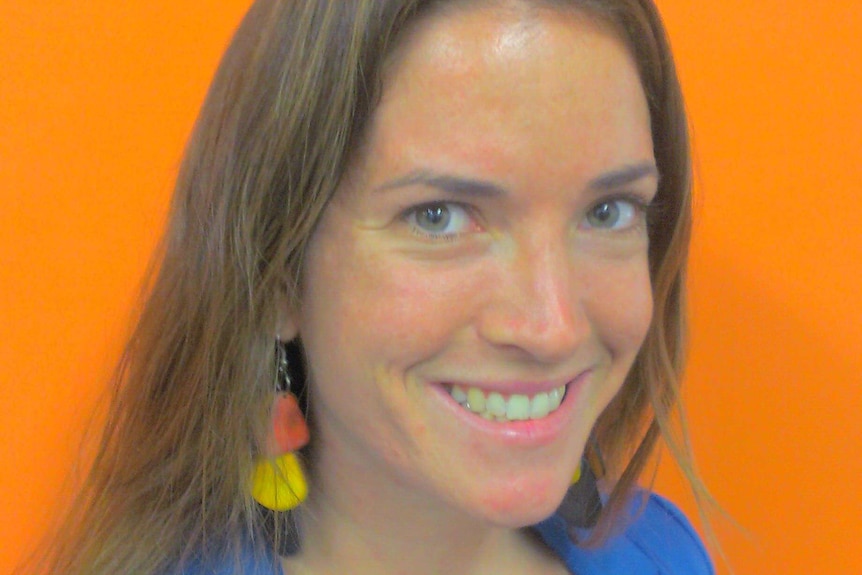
(487, 255)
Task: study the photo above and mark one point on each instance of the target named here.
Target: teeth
(517, 407)
(496, 405)
(476, 399)
(540, 406)
(555, 397)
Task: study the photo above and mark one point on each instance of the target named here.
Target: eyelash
(637, 202)
(410, 214)
(641, 207)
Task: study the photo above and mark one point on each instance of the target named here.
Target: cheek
(369, 314)
(371, 297)
(621, 306)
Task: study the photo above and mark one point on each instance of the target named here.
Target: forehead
(505, 26)
(492, 88)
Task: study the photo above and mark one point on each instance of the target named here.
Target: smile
(494, 406)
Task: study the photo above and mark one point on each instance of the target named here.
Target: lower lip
(530, 432)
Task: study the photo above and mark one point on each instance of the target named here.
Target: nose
(535, 305)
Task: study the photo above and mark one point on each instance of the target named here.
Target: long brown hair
(284, 115)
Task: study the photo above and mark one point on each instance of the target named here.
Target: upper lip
(509, 387)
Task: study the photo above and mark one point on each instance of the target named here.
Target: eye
(439, 219)
(615, 214)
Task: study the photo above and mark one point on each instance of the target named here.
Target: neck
(388, 530)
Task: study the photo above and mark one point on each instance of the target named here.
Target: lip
(528, 433)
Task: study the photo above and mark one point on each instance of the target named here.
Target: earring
(582, 503)
(282, 368)
(278, 482)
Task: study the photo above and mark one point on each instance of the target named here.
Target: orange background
(97, 98)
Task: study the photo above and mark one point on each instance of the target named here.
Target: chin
(521, 507)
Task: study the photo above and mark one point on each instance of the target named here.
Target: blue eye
(439, 219)
(614, 214)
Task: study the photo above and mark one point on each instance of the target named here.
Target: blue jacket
(658, 541)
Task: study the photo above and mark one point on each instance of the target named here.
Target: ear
(287, 323)
(287, 327)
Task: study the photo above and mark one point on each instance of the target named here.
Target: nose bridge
(548, 288)
(538, 305)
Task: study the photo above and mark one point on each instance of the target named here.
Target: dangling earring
(582, 503)
(576, 476)
(278, 482)
(282, 368)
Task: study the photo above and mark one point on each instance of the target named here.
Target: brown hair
(283, 117)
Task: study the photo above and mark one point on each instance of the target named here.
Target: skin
(524, 287)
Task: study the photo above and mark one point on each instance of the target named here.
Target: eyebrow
(448, 183)
(469, 187)
(624, 176)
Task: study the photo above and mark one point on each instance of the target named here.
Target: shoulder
(659, 540)
(246, 564)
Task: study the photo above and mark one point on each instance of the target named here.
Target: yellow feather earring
(582, 503)
(279, 484)
(577, 475)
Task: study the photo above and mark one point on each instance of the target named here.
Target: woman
(456, 231)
